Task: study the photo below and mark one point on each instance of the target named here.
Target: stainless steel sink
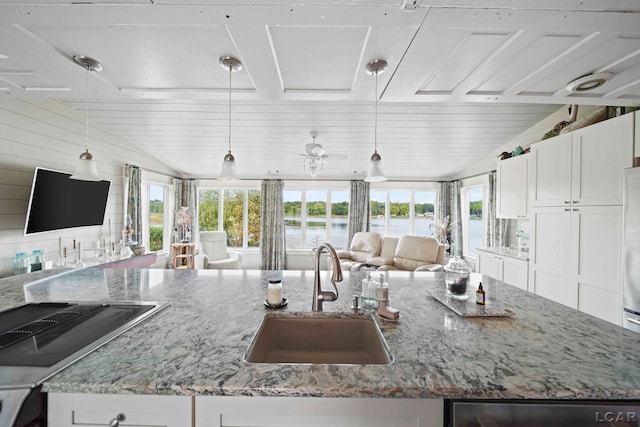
(318, 338)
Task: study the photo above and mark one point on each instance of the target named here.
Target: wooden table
(183, 255)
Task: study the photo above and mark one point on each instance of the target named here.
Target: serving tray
(469, 308)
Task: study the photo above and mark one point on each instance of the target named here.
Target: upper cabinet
(511, 197)
(582, 167)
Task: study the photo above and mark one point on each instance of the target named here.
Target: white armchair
(215, 254)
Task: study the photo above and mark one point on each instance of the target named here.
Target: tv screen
(58, 202)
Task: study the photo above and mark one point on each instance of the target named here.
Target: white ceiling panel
(318, 58)
(464, 76)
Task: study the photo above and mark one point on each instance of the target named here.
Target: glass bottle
(274, 292)
(37, 260)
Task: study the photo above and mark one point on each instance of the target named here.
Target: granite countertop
(508, 252)
(195, 346)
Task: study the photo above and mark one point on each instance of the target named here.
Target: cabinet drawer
(91, 410)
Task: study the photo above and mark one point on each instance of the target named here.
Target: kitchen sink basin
(318, 338)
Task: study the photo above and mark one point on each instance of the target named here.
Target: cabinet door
(232, 411)
(600, 154)
(550, 256)
(489, 265)
(90, 410)
(550, 172)
(511, 197)
(515, 272)
(596, 239)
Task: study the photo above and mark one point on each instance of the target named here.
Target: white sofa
(412, 253)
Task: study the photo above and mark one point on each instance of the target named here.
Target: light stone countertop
(195, 346)
(508, 252)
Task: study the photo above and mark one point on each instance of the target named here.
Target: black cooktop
(42, 334)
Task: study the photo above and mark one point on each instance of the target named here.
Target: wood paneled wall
(49, 134)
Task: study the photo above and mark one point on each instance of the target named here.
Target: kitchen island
(195, 346)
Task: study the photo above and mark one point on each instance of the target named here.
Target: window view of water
(317, 231)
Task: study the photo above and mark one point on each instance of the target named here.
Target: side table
(183, 255)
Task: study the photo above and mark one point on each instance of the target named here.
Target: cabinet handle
(567, 209)
(575, 201)
(566, 202)
(575, 209)
(632, 320)
(115, 422)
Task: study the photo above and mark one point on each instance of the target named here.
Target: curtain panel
(448, 208)
(496, 227)
(359, 209)
(185, 196)
(272, 233)
(133, 183)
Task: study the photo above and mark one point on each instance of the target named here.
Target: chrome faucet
(318, 294)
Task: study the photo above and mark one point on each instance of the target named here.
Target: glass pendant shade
(229, 171)
(375, 172)
(86, 169)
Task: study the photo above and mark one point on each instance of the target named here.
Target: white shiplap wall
(49, 134)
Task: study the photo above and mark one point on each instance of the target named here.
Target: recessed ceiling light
(589, 82)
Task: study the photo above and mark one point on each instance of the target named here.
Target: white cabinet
(85, 410)
(582, 167)
(232, 411)
(575, 194)
(512, 187)
(576, 258)
(509, 270)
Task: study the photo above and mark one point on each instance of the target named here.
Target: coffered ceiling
(464, 77)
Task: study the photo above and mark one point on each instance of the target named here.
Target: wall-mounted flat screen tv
(58, 202)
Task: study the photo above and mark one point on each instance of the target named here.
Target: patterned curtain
(496, 227)
(272, 236)
(185, 196)
(448, 207)
(133, 180)
(359, 209)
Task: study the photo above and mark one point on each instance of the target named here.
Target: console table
(183, 255)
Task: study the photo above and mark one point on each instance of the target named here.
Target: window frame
(412, 189)
(244, 187)
(465, 201)
(167, 228)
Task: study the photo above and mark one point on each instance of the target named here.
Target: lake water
(317, 231)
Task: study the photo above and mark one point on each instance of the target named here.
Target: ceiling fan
(315, 157)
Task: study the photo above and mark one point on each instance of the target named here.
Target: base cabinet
(509, 270)
(231, 411)
(91, 410)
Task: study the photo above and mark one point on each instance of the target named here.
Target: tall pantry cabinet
(575, 199)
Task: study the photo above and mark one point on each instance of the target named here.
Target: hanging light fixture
(315, 160)
(375, 173)
(86, 169)
(229, 171)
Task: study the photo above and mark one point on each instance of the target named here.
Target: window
(235, 211)
(472, 224)
(400, 212)
(155, 230)
(308, 222)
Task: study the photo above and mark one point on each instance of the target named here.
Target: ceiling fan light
(229, 170)
(375, 172)
(589, 82)
(86, 168)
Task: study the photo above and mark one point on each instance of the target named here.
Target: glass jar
(456, 278)
(274, 292)
(37, 260)
(21, 263)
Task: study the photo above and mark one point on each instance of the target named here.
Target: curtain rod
(151, 170)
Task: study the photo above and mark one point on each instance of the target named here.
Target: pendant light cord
(86, 109)
(375, 128)
(230, 72)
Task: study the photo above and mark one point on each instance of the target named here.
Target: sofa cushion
(415, 251)
(388, 247)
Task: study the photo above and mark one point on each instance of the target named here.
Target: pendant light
(375, 173)
(86, 169)
(229, 171)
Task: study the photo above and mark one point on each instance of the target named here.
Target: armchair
(363, 246)
(215, 254)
